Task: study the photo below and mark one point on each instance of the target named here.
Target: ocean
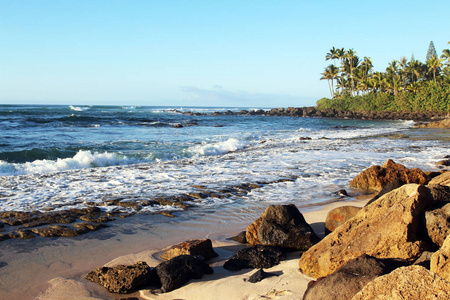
(61, 157)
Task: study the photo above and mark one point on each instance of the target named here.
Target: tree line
(406, 85)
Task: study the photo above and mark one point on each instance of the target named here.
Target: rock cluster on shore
(396, 247)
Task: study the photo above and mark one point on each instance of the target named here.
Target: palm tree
(326, 75)
(392, 71)
(434, 64)
(333, 54)
(349, 61)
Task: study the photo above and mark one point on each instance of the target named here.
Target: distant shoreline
(314, 112)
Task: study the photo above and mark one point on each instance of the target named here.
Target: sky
(200, 53)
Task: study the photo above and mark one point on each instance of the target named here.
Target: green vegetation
(405, 86)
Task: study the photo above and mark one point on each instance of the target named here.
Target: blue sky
(199, 53)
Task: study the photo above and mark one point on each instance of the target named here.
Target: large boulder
(412, 282)
(179, 270)
(438, 224)
(121, 278)
(443, 179)
(350, 279)
(257, 257)
(390, 227)
(440, 260)
(339, 216)
(376, 177)
(193, 247)
(282, 226)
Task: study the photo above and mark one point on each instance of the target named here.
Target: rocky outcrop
(440, 260)
(179, 270)
(438, 224)
(194, 247)
(350, 279)
(339, 216)
(282, 226)
(256, 257)
(412, 282)
(443, 179)
(437, 124)
(122, 279)
(390, 227)
(376, 177)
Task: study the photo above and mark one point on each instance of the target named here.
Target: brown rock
(438, 224)
(350, 279)
(122, 279)
(388, 228)
(283, 226)
(252, 231)
(55, 231)
(443, 179)
(376, 177)
(440, 260)
(339, 216)
(412, 282)
(193, 247)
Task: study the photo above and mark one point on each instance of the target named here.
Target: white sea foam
(218, 148)
(83, 159)
(78, 108)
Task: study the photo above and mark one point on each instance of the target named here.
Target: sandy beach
(288, 283)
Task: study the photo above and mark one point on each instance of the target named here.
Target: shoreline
(290, 284)
(315, 112)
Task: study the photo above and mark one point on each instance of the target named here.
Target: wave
(77, 108)
(81, 160)
(230, 145)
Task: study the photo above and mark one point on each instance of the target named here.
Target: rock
(440, 193)
(256, 257)
(438, 224)
(177, 126)
(240, 238)
(55, 231)
(252, 231)
(339, 216)
(440, 260)
(437, 124)
(390, 227)
(259, 276)
(376, 177)
(443, 179)
(350, 279)
(282, 226)
(412, 282)
(176, 272)
(445, 162)
(193, 247)
(122, 279)
(424, 259)
(387, 188)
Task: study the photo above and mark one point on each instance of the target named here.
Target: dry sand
(288, 284)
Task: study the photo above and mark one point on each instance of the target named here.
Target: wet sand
(50, 267)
